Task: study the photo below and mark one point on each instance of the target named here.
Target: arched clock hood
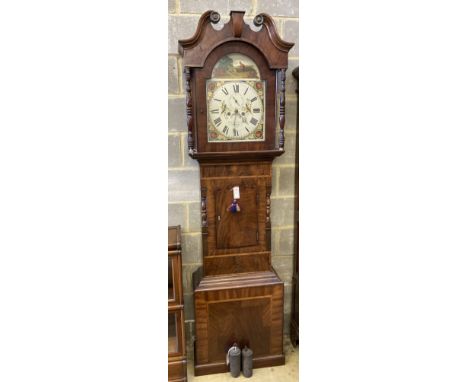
(201, 51)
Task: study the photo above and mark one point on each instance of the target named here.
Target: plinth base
(244, 308)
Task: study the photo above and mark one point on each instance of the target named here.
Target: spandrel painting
(235, 65)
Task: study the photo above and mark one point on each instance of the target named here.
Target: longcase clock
(235, 101)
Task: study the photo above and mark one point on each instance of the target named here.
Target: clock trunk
(236, 242)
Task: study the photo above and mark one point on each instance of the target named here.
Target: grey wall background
(183, 172)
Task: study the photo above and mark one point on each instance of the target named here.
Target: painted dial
(235, 110)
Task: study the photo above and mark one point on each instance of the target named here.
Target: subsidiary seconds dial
(236, 110)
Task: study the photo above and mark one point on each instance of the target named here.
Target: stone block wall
(183, 172)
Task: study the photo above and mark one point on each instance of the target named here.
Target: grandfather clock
(235, 98)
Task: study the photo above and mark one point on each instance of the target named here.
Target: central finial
(237, 18)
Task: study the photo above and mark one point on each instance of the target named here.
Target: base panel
(246, 309)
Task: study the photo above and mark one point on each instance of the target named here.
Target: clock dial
(235, 111)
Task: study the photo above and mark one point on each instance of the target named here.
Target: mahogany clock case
(238, 297)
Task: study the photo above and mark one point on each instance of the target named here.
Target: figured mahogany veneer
(236, 242)
(245, 308)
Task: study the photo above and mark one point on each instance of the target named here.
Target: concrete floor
(287, 373)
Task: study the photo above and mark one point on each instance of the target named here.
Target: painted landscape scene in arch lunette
(235, 66)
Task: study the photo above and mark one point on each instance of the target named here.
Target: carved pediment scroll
(267, 40)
